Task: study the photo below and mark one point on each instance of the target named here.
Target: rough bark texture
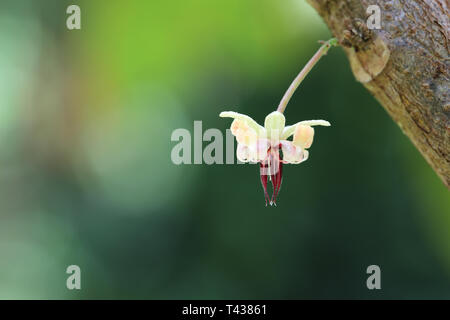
(405, 65)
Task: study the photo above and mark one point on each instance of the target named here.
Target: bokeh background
(86, 177)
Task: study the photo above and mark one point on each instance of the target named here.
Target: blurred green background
(86, 176)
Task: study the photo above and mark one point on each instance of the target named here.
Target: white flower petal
(262, 147)
(289, 130)
(305, 155)
(292, 153)
(303, 136)
(252, 123)
(243, 153)
(243, 132)
(274, 124)
(256, 152)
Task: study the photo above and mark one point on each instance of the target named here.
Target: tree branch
(405, 65)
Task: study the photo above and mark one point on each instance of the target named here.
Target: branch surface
(405, 65)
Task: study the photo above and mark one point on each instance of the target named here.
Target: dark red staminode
(272, 167)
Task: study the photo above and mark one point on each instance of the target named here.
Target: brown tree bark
(405, 65)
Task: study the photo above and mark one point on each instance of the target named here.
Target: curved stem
(294, 85)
